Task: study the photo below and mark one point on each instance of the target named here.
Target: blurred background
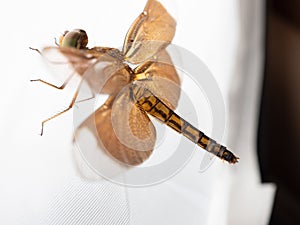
(251, 48)
(279, 122)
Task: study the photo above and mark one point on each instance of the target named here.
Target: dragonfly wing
(103, 72)
(78, 60)
(163, 81)
(151, 32)
(131, 124)
(113, 121)
(108, 75)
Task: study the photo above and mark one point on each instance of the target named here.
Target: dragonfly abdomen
(155, 107)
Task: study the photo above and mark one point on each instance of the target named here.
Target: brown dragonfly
(152, 87)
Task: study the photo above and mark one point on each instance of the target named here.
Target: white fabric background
(39, 183)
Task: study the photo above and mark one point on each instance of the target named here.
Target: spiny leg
(62, 112)
(60, 88)
(49, 84)
(35, 49)
(54, 86)
(56, 43)
(63, 86)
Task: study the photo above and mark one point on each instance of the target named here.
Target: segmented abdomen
(155, 107)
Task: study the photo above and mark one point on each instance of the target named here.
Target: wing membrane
(151, 32)
(108, 75)
(164, 81)
(107, 129)
(100, 66)
(78, 60)
(131, 124)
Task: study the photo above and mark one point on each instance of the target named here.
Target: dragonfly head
(74, 39)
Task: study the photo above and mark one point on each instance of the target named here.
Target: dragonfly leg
(35, 49)
(62, 112)
(56, 43)
(54, 86)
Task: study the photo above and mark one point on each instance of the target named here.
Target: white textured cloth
(39, 183)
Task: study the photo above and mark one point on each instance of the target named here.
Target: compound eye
(74, 39)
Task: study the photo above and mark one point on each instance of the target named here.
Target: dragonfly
(151, 87)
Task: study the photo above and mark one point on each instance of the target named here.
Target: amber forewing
(151, 32)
